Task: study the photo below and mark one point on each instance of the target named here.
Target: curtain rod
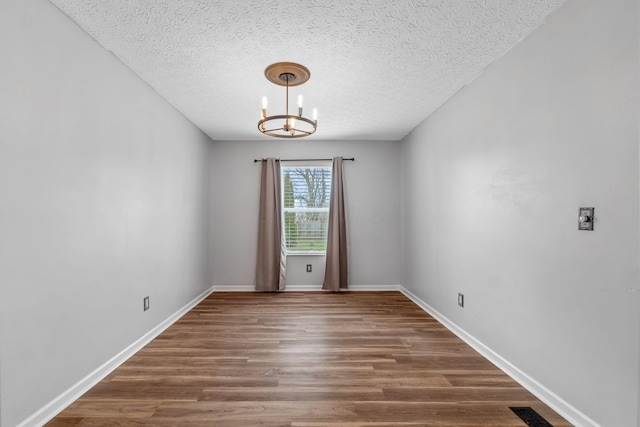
(300, 160)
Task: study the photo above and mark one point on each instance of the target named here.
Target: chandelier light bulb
(315, 114)
(264, 107)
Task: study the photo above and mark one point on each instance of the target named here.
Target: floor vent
(530, 417)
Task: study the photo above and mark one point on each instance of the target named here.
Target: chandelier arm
(275, 135)
(287, 117)
(284, 116)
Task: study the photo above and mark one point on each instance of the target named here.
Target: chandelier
(287, 125)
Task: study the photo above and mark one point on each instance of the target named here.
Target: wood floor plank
(295, 359)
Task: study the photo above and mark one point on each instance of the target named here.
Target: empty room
(356, 213)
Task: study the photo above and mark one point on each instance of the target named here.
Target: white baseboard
(53, 408)
(236, 288)
(555, 402)
(372, 288)
(306, 288)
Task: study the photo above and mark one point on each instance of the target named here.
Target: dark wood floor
(305, 360)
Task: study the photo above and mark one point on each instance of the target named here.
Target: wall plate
(585, 219)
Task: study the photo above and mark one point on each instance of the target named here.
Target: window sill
(307, 254)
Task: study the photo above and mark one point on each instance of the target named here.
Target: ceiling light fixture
(287, 125)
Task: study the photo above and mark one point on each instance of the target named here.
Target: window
(306, 192)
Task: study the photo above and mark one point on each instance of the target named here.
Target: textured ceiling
(378, 67)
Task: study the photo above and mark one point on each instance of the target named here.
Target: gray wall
(103, 200)
(492, 185)
(373, 199)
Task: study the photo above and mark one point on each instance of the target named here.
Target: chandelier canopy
(287, 125)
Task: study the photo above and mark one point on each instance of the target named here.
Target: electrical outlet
(585, 218)
(146, 303)
(461, 300)
(308, 268)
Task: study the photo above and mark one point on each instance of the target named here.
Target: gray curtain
(271, 263)
(335, 272)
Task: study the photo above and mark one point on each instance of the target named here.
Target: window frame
(326, 164)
